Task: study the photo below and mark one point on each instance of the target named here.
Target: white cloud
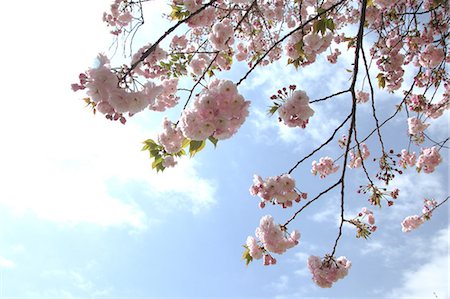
(57, 160)
(414, 187)
(6, 263)
(429, 279)
(281, 284)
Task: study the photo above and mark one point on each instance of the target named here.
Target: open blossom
(415, 126)
(362, 97)
(325, 167)
(295, 112)
(273, 237)
(277, 190)
(169, 161)
(411, 222)
(170, 138)
(218, 111)
(255, 250)
(119, 16)
(356, 157)
(407, 159)
(428, 206)
(428, 159)
(221, 36)
(329, 270)
(431, 57)
(101, 85)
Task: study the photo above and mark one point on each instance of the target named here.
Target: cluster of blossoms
(119, 17)
(365, 223)
(356, 157)
(329, 270)
(149, 67)
(428, 159)
(431, 57)
(419, 103)
(221, 36)
(305, 48)
(102, 86)
(407, 159)
(273, 238)
(171, 138)
(276, 190)
(325, 167)
(218, 111)
(416, 128)
(412, 222)
(295, 111)
(362, 97)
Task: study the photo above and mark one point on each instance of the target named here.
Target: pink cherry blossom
(295, 112)
(329, 270)
(411, 222)
(277, 190)
(325, 167)
(428, 159)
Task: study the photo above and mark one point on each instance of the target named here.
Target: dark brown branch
(312, 200)
(321, 146)
(162, 37)
(359, 41)
(285, 37)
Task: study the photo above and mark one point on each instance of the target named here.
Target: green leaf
(273, 109)
(195, 146)
(330, 24)
(321, 10)
(154, 153)
(185, 142)
(246, 256)
(381, 80)
(213, 140)
(157, 161)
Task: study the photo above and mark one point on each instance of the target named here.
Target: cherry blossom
(328, 270)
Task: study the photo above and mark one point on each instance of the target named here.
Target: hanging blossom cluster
(171, 138)
(416, 128)
(293, 106)
(328, 270)
(119, 16)
(295, 111)
(412, 222)
(364, 223)
(357, 156)
(428, 159)
(218, 111)
(324, 167)
(276, 190)
(362, 97)
(272, 238)
(105, 95)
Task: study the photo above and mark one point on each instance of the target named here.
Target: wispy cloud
(430, 278)
(6, 263)
(58, 161)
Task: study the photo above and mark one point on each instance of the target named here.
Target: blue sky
(83, 216)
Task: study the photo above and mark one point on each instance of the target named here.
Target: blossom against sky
(83, 215)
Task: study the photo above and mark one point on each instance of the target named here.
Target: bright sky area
(82, 215)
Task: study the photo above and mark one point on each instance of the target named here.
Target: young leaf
(213, 140)
(246, 256)
(195, 146)
(273, 109)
